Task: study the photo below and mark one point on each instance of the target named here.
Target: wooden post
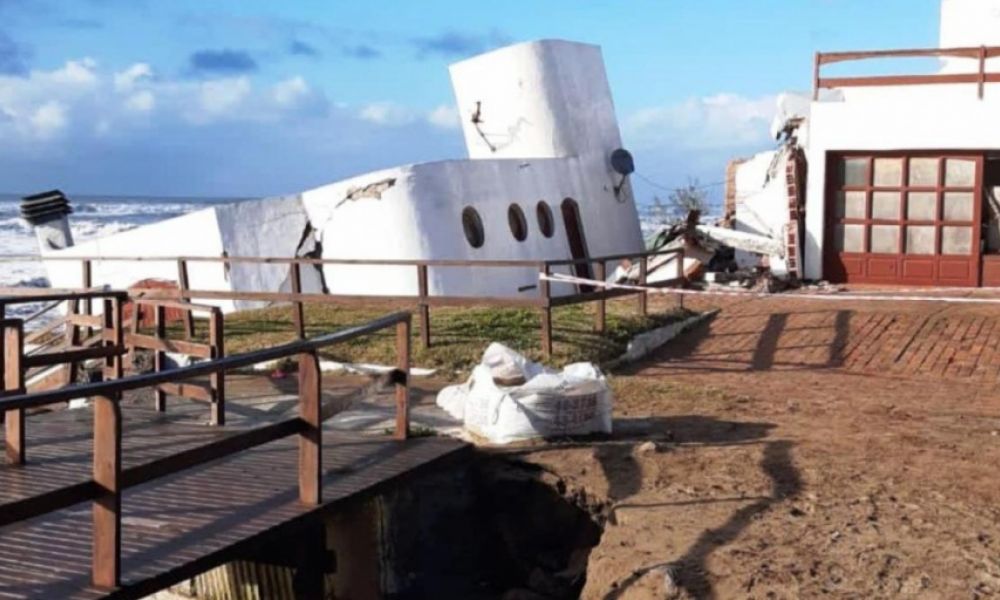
(298, 314)
(88, 282)
(425, 310)
(106, 508)
(13, 382)
(134, 328)
(544, 290)
(600, 323)
(643, 307)
(310, 440)
(184, 284)
(160, 358)
(403, 379)
(982, 71)
(217, 380)
(681, 277)
(113, 326)
(816, 66)
(72, 340)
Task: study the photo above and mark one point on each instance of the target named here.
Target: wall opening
(518, 223)
(577, 240)
(472, 224)
(546, 223)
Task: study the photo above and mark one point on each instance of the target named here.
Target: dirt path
(802, 450)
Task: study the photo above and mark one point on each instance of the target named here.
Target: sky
(260, 97)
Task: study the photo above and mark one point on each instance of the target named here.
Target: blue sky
(255, 97)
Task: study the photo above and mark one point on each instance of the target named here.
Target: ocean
(93, 217)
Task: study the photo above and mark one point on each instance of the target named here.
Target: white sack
(575, 401)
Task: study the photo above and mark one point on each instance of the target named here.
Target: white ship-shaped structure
(540, 129)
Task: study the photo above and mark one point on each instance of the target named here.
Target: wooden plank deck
(178, 526)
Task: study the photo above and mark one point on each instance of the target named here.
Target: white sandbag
(452, 400)
(507, 366)
(575, 401)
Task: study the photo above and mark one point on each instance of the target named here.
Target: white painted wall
(193, 234)
(543, 99)
(967, 23)
(275, 227)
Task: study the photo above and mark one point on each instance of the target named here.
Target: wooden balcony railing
(980, 77)
(109, 479)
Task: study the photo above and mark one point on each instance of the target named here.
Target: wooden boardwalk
(177, 526)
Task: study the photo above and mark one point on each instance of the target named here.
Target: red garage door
(907, 218)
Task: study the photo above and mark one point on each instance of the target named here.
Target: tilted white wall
(193, 234)
(542, 99)
(272, 227)
(420, 217)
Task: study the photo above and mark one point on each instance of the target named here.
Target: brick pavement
(912, 339)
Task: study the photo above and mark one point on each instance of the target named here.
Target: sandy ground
(791, 449)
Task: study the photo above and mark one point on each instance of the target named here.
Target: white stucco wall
(272, 227)
(542, 99)
(420, 217)
(193, 234)
(967, 23)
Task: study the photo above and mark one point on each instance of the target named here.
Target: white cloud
(75, 72)
(390, 114)
(132, 121)
(48, 119)
(387, 113)
(709, 123)
(125, 81)
(141, 101)
(222, 96)
(290, 91)
(444, 116)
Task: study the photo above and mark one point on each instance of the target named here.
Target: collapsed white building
(540, 128)
(887, 179)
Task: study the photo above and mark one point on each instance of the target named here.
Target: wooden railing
(109, 480)
(160, 343)
(980, 77)
(73, 350)
(423, 300)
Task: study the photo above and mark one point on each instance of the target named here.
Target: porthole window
(473, 226)
(546, 224)
(518, 224)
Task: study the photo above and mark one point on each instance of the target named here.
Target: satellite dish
(622, 163)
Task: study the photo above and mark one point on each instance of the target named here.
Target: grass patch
(458, 335)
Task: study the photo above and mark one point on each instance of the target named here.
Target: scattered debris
(285, 366)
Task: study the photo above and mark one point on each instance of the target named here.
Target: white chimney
(48, 214)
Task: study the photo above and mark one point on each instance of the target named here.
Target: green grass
(458, 335)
